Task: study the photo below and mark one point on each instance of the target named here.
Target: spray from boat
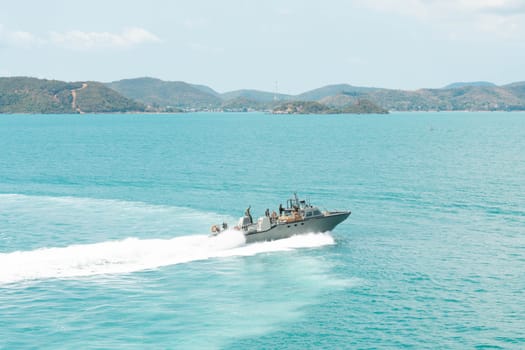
(133, 254)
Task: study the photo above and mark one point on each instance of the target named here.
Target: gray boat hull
(311, 225)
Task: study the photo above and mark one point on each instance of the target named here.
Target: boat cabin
(311, 212)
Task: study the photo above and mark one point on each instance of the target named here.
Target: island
(312, 107)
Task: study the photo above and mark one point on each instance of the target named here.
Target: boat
(298, 217)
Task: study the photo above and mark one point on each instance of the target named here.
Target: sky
(288, 46)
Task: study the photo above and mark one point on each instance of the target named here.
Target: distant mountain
(255, 95)
(471, 98)
(515, 84)
(243, 104)
(362, 106)
(339, 100)
(31, 95)
(468, 84)
(206, 89)
(517, 89)
(159, 93)
(95, 97)
(331, 90)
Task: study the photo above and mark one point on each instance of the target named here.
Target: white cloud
(25, 39)
(79, 40)
(445, 8)
(495, 7)
(461, 18)
(19, 38)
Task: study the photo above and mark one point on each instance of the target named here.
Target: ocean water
(104, 223)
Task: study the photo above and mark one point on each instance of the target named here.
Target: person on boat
(267, 212)
(281, 209)
(295, 213)
(273, 217)
(247, 213)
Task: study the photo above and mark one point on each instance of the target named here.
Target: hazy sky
(229, 45)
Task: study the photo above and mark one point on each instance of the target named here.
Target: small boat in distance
(298, 217)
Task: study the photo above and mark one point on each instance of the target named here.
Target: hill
(467, 84)
(255, 95)
(517, 89)
(31, 95)
(475, 96)
(463, 96)
(362, 106)
(470, 98)
(243, 104)
(332, 90)
(313, 107)
(339, 100)
(95, 97)
(344, 103)
(159, 93)
(302, 107)
(206, 89)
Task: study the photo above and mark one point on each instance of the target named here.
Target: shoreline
(257, 112)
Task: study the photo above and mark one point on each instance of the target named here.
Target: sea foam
(176, 228)
(133, 254)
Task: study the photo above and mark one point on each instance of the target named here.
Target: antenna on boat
(296, 199)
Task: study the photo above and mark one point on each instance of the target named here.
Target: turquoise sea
(104, 223)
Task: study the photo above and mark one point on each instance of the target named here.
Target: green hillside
(31, 95)
(338, 101)
(464, 96)
(302, 107)
(467, 84)
(206, 89)
(312, 107)
(362, 106)
(159, 93)
(468, 98)
(474, 96)
(97, 98)
(517, 89)
(243, 104)
(255, 95)
(332, 90)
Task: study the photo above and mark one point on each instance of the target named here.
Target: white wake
(133, 254)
